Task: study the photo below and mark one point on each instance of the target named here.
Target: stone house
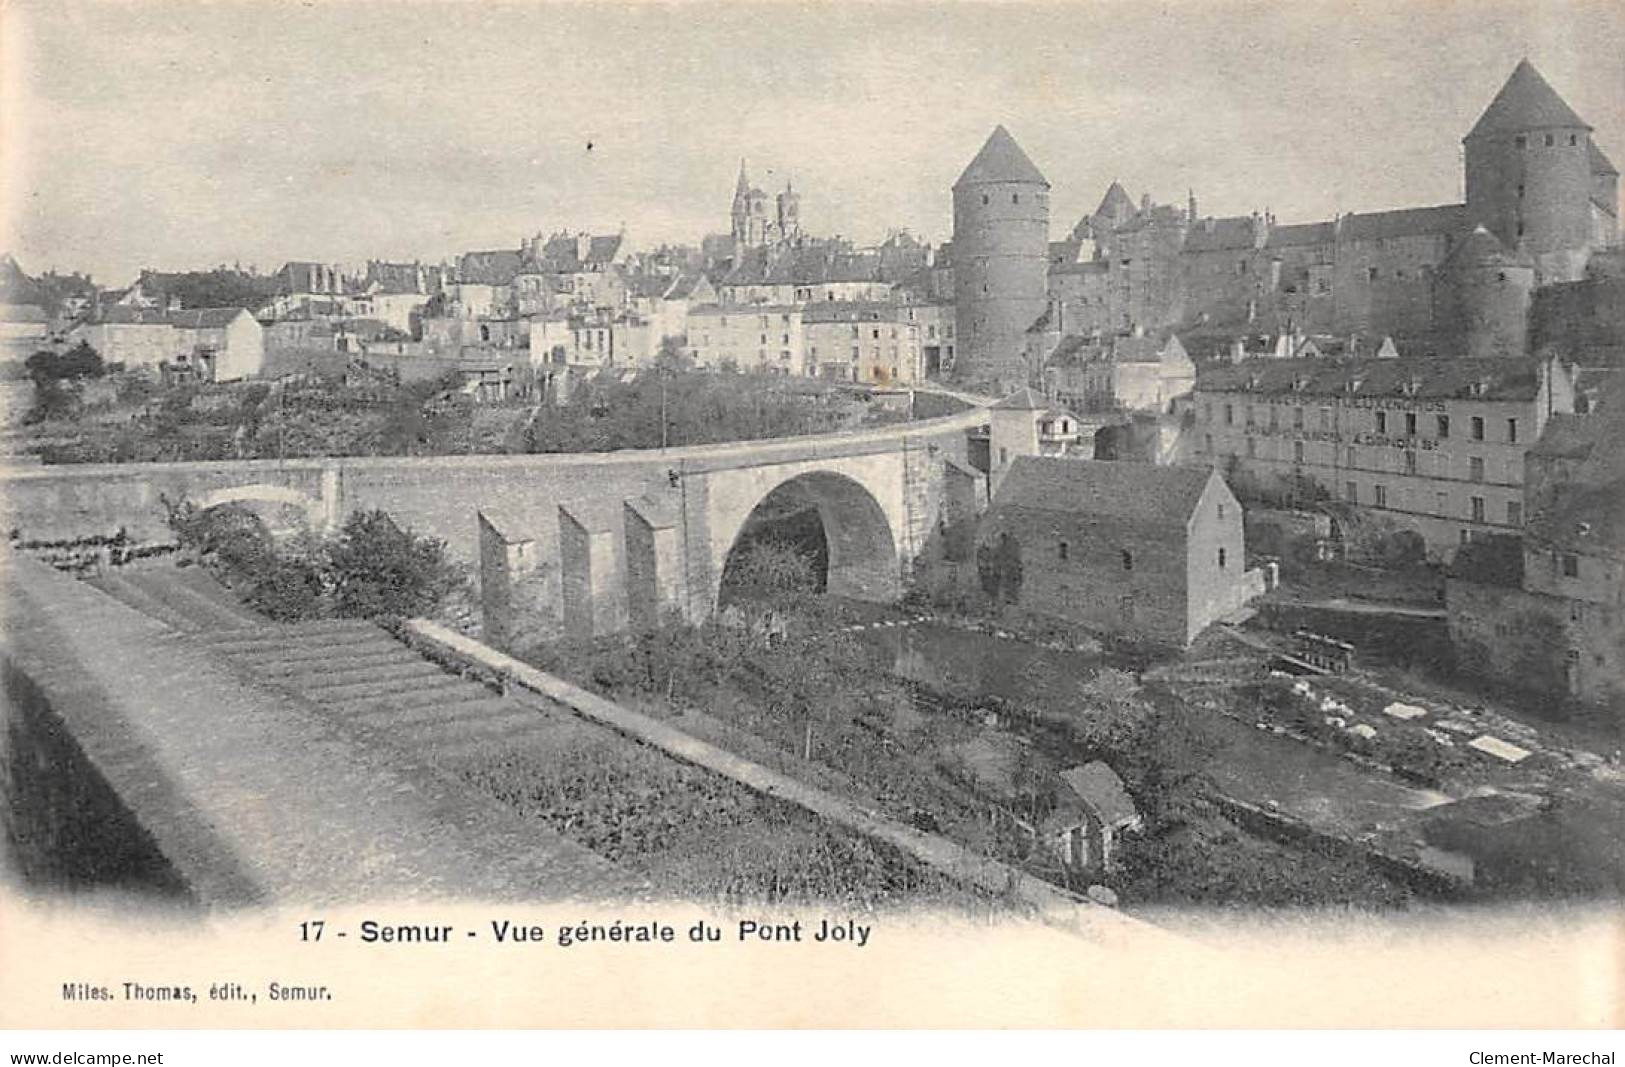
(1024, 424)
(1155, 553)
(228, 341)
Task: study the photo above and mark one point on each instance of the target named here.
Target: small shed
(1092, 810)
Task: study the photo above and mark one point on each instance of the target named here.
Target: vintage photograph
(1119, 469)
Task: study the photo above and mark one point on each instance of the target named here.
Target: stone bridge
(587, 542)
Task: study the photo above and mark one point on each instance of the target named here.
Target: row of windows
(1477, 507)
(1063, 552)
(1406, 423)
(1351, 459)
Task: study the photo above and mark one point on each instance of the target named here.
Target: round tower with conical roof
(1001, 260)
(1529, 162)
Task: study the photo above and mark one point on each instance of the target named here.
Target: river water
(1318, 787)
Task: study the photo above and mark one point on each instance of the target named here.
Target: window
(1521, 141)
(1410, 462)
(1004, 456)
(1297, 451)
(1475, 468)
(1478, 509)
(1410, 424)
(1371, 274)
(1221, 559)
(984, 195)
(1571, 565)
(1061, 550)
(1351, 492)
(1350, 456)
(1221, 511)
(1512, 431)
(1549, 141)
(1382, 422)
(1229, 415)
(1444, 425)
(1252, 448)
(1514, 513)
(1381, 494)
(1574, 139)
(1325, 418)
(1015, 198)
(1207, 442)
(1297, 418)
(1128, 560)
(1478, 428)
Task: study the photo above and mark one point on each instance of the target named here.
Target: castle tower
(1529, 170)
(1001, 260)
(1482, 299)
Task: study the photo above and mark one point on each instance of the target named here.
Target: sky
(178, 134)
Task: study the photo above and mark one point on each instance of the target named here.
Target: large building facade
(1435, 445)
(1001, 260)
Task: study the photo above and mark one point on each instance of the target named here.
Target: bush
(377, 568)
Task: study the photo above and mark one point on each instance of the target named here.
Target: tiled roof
(1525, 102)
(1115, 204)
(1098, 786)
(1302, 233)
(1138, 492)
(204, 318)
(1001, 160)
(1501, 378)
(849, 311)
(1405, 222)
(496, 267)
(122, 315)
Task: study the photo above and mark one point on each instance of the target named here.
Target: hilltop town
(1309, 536)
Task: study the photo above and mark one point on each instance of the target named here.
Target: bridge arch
(274, 501)
(859, 533)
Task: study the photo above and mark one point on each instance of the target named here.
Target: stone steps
(402, 674)
(294, 655)
(239, 642)
(454, 690)
(316, 668)
(206, 613)
(121, 589)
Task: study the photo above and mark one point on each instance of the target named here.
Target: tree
(75, 365)
(377, 568)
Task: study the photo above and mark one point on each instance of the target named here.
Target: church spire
(743, 185)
